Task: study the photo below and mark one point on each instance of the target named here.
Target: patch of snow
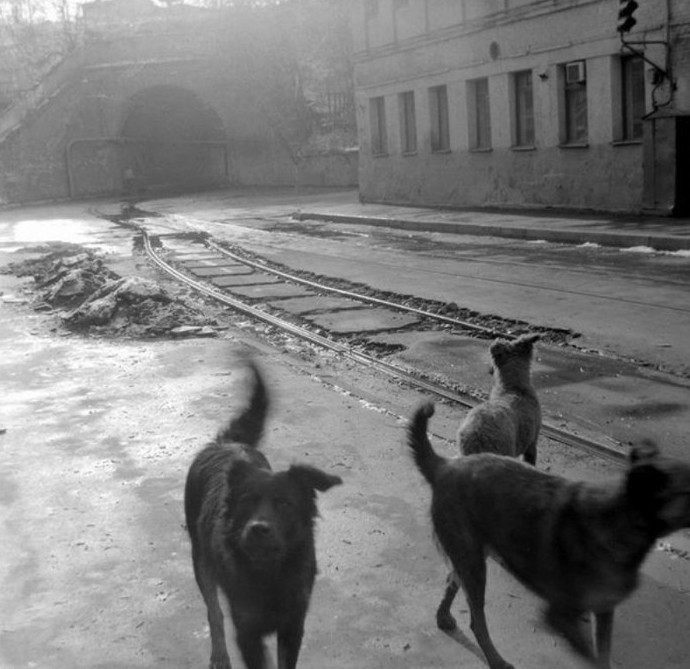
(681, 253)
(638, 249)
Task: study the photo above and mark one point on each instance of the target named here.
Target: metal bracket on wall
(661, 74)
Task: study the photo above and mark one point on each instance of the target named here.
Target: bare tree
(34, 35)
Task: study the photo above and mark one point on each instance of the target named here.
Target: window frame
(408, 123)
(479, 114)
(439, 137)
(630, 117)
(378, 126)
(572, 95)
(522, 98)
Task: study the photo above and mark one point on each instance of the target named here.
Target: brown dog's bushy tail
(427, 460)
(248, 426)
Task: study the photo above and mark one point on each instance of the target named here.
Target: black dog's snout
(260, 529)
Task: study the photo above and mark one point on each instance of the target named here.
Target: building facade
(523, 103)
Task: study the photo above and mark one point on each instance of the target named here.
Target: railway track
(326, 316)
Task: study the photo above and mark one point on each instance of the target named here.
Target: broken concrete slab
(270, 291)
(359, 320)
(193, 331)
(92, 297)
(240, 270)
(198, 256)
(194, 264)
(243, 280)
(319, 303)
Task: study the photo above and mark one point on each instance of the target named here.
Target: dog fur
(577, 545)
(252, 535)
(508, 423)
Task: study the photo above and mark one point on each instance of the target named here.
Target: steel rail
(357, 296)
(554, 433)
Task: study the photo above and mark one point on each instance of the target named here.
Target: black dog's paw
(445, 621)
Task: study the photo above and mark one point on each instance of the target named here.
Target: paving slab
(231, 280)
(266, 291)
(203, 262)
(234, 271)
(197, 256)
(358, 320)
(319, 303)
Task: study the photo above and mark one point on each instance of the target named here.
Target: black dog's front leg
(289, 644)
(603, 629)
(253, 649)
(209, 589)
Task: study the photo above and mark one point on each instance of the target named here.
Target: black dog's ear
(530, 338)
(645, 484)
(645, 450)
(314, 478)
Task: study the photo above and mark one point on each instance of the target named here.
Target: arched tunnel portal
(172, 141)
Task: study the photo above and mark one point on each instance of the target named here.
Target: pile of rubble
(89, 297)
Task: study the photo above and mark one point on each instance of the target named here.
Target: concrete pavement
(343, 206)
(663, 234)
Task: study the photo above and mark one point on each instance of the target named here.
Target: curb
(616, 239)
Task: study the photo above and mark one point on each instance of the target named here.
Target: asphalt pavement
(97, 437)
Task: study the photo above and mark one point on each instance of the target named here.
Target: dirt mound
(89, 297)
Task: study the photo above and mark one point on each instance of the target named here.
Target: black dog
(577, 545)
(252, 533)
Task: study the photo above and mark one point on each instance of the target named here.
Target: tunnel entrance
(172, 141)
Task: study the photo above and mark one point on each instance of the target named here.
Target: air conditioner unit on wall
(575, 72)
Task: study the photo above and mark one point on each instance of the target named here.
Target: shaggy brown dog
(577, 545)
(252, 533)
(508, 423)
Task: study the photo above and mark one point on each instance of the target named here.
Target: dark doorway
(172, 142)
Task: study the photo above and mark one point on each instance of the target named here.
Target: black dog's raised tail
(427, 460)
(248, 426)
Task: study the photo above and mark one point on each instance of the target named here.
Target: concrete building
(523, 103)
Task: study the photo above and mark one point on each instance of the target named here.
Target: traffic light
(626, 20)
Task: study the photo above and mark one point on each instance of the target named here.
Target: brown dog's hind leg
(530, 454)
(566, 622)
(471, 569)
(603, 628)
(444, 618)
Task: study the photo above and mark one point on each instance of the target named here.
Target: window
(633, 102)
(377, 120)
(438, 112)
(574, 126)
(408, 122)
(523, 109)
(479, 114)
